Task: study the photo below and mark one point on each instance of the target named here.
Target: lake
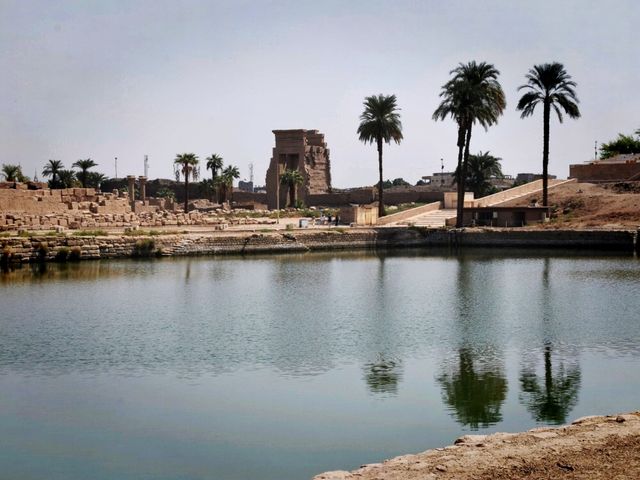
(285, 366)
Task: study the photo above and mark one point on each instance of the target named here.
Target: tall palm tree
(229, 174)
(552, 86)
(291, 178)
(12, 173)
(52, 169)
(214, 163)
(187, 162)
(480, 169)
(380, 122)
(84, 165)
(472, 95)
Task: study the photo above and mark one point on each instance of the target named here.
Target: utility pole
(146, 166)
(596, 150)
(116, 167)
(442, 172)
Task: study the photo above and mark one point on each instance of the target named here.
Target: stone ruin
(302, 150)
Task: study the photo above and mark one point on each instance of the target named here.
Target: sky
(110, 78)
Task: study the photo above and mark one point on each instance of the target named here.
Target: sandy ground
(590, 448)
(586, 205)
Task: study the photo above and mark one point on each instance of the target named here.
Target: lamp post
(116, 167)
(442, 172)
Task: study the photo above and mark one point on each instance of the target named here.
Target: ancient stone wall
(42, 248)
(604, 172)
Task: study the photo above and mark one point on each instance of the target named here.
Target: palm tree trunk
(545, 154)
(292, 195)
(465, 163)
(460, 179)
(186, 191)
(214, 190)
(380, 199)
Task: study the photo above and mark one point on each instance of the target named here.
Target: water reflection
(383, 376)
(551, 397)
(475, 388)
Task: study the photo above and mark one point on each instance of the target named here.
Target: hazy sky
(109, 78)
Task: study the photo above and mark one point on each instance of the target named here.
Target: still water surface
(285, 366)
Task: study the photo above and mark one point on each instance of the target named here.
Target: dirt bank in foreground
(590, 448)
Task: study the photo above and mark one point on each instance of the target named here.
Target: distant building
(440, 179)
(620, 168)
(245, 186)
(531, 177)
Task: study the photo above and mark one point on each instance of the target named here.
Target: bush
(144, 247)
(6, 255)
(62, 254)
(90, 233)
(43, 251)
(75, 254)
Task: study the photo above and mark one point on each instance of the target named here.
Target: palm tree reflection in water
(550, 400)
(474, 390)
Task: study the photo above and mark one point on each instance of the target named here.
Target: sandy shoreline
(604, 447)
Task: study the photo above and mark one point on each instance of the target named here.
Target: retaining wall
(18, 249)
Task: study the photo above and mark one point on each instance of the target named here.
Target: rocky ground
(587, 205)
(590, 448)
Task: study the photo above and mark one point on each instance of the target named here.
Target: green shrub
(42, 251)
(75, 254)
(62, 255)
(6, 255)
(90, 233)
(289, 226)
(144, 247)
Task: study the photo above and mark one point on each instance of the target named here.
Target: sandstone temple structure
(302, 150)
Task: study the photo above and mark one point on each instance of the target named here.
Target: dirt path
(590, 448)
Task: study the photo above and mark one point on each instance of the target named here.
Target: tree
(94, 179)
(380, 122)
(13, 173)
(472, 95)
(67, 179)
(187, 163)
(214, 163)
(225, 180)
(292, 178)
(550, 85)
(52, 169)
(84, 166)
(480, 169)
(621, 145)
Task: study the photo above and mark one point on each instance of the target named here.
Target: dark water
(286, 366)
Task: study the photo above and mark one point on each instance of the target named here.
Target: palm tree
(84, 165)
(12, 173)
(480, 169)
(52, 169)
(214, 163)
(552, 86)
(187, 162)
(67, 179)
(95, 179)
(472, 95)
(229, 174)
(291, 178)
(380, 122)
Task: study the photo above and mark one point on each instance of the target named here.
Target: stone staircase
(435, 219)
(437, 216)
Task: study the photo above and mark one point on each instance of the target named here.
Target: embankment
(50, 248)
